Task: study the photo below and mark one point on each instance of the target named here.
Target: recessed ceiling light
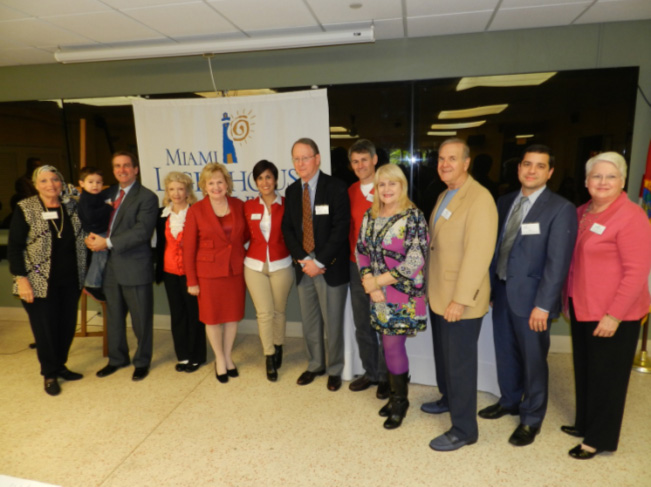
(473, 112)
(343, 136)
(532, 79)
(338, 130)
(525, 136)
(453, 126)
(440, 133)
(355, 6)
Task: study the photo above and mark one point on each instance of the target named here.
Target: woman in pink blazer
(213, 255)
(268, 266)
(608, 295)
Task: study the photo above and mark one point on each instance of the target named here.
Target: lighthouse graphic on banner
(230, 157)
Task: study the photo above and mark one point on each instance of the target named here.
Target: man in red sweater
(363, 159)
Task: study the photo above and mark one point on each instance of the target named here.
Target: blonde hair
(209, 170)
(393, 173)
(613, 157)
(185, 180)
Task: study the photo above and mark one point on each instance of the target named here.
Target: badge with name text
(256, 216)
(321, 210)
(50, 215)
(446, 214)
(530, 228)
(369, 197)
(598, 229)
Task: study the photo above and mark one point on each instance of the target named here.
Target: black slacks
(188, 333)
(53, 320)
(602, 368)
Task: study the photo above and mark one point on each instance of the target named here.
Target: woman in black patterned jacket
(47, 258)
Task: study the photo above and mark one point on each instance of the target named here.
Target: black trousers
(602, 368)
(188, 333)
(53, 320)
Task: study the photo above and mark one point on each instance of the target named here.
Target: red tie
(308, 230)
(116, 205)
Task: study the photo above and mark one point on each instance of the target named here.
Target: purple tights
(395, 353)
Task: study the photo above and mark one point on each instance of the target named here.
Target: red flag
(645, 187)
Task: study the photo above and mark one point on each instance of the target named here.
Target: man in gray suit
(129, 271)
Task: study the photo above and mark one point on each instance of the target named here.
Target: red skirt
(221, 300)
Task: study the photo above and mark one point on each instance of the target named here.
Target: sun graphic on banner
(242, 126)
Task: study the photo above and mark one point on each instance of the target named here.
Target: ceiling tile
(613, 11)
(538, 3)
(339, 11)
(389, 29)
(24, 56)
(7, 13)
(124, 4)
(34, 32)
(435, 25)
(418, 8)
(42, 8)
(115, 27)
(253, 15)
(193, 19)
(529, 17)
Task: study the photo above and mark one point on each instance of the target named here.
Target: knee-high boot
(398, 404)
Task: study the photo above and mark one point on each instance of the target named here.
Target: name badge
(321, 210)
(256, 216)
(446, 214)
(370, 197)
(50, 215)
(530, 228)
(598, 229)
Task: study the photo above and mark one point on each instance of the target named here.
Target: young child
(94, 213)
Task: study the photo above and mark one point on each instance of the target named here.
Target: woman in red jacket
(268, 265)
(213, 255)
(608, 296)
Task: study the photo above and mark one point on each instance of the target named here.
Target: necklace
(59, 230)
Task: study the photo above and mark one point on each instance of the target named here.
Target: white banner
(186, 134)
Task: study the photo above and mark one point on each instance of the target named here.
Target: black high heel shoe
(581, 454)
(272, 373)
(232, 372)
(223, 378)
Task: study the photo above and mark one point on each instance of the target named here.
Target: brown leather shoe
(334, 382)
(361, 383)
(307, 377)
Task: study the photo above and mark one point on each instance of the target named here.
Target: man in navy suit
(129, 270)
(537, 230)
(315, 227)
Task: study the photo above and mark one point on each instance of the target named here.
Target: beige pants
(269, 292)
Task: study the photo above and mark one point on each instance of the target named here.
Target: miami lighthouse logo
(235, 129)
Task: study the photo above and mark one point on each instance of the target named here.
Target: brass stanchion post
(642, 362)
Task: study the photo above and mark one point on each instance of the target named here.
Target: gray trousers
(138, 301)
(368, 342)
(322, 311)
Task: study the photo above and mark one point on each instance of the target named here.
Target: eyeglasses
(604, 177)
(297, 160)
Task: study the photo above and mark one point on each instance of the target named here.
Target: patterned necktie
(308, 230)
(116, 205)
(511, 231)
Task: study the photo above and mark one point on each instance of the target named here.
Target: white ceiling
(32, 30)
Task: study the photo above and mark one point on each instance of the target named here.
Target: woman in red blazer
(268, 266)
(213, 255)
(608, 295)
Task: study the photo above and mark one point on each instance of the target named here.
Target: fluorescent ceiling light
(532, 79)
(83, 55)
(229, 93)
(473, 112)
(526, 136)
(454, 126)
(448, 133)
(338, 130)
(343, 136)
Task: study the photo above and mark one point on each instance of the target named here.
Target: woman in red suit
(268, 266)
(215, 234)
(608, 296)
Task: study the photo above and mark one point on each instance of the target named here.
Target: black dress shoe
(572, 431)
(232, 372)
(272, 373)
(496, 411)
(307, 377)
(278, 355)
(334, 382)
(435, 407)
(223, 378)
(140, 373)
(361, 383)
(66, 374)
(524, 435)
(383, 390)
(52, 387)
(581, 454)
(189, 368)
(180, 367)
(108, 370)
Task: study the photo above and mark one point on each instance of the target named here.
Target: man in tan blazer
(463, 231)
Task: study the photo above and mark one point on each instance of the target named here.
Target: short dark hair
(89, 171)
(362, 146)
(265, 165)
(540, 149)
(307, 141)
(130, 155)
